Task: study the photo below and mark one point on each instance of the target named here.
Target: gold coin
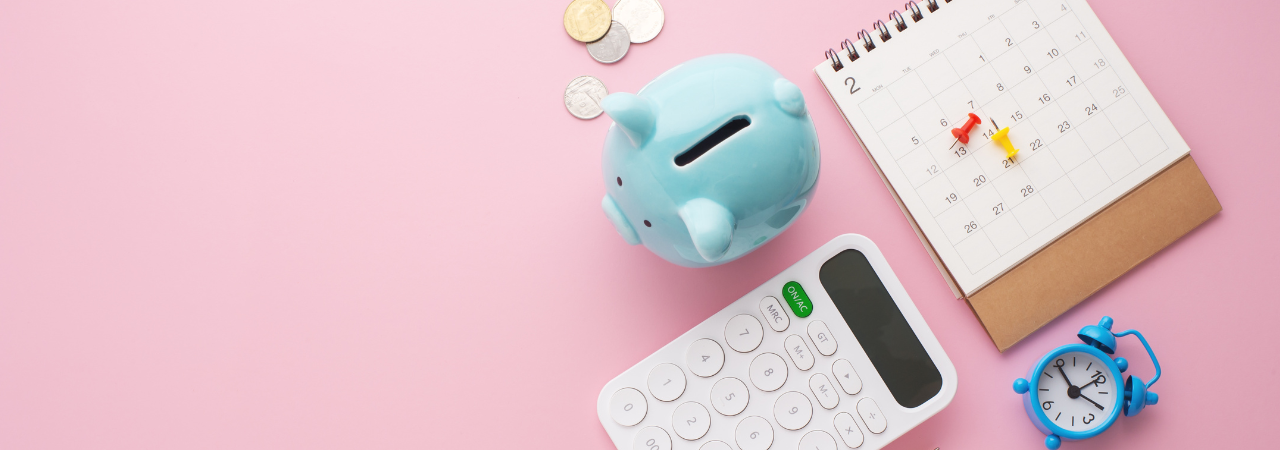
(587, 20)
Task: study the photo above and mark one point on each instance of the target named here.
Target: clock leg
(1053, 442)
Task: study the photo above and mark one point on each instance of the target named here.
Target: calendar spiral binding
(880, 28)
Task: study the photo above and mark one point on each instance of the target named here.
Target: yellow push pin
(1002, 137)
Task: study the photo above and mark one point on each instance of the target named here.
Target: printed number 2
(852, 85)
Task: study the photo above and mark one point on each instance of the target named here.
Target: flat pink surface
(316, 224)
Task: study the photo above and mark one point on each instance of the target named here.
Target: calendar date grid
(1021, 120)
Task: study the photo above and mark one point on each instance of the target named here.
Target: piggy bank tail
(710, 227)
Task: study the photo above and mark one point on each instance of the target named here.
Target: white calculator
(829, 354)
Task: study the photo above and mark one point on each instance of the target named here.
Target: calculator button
(799, 352)
(792, 410)
(768, 372)
(822, 338)
(691, 421)
(666, 382)
(847, 378)
(773, 314)
(743, 333)
(652, 438)
(824, 391)
(817, 440)
(715, 445)
(848, 430)
(729, 396)
(628, 407)
(872, 416)
(705, 357)
(754, 433)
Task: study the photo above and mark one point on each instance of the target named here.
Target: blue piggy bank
(710, 160)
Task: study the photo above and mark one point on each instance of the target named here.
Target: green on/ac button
(799, 301)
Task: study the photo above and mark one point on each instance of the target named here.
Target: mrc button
(797, 298)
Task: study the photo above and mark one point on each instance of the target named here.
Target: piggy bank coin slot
(729, 129)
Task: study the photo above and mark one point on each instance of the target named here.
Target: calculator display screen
(884, 333)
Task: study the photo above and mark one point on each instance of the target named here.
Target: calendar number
(999, 208)
(1089, 110)
(1080, 36)
(1100, 63)
(943, 122)
(1053, 53)
(1118, 91)
(1026, 69)
(754, 434)
(932, 170)
(1016, 116)
(1007, 162)
(1035, 145)
(1071, 80)
(1035, 24)
(1064, 126)
(983, 58)
(915, 140)
(970, 227)
(970, 104)
(961, 151)
(1000, 87)
(1027, 191)
(1008, 42)
(652, 444)
(979, 180)
(1044, 99)
(852, 83)
(952, 198)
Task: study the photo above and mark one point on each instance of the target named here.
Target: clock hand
(1064, 377)
(1091, 401)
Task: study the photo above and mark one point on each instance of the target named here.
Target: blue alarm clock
(709, 161)
(1072, 393)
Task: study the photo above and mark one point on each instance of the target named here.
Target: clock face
(1076, 391)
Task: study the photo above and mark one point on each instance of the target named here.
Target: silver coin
(643, 18)
(613, 46)
(583, 95)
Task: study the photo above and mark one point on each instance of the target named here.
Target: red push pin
(962, 133)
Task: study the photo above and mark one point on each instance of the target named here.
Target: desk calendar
(1087, 129)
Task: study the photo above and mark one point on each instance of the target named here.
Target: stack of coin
(608, 35)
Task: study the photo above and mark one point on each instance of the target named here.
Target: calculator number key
(754, 433)
(799, 352)
(652, 438)
(848, 430)
(768, 372)
(872, 416)
(792, 410)
(821, 336)
(743, 333)
(704, 357)
(774, 314)
(691, 421)
(729, 396)
(824, 391)
(628, 407)
(847, 378)
(666, 382)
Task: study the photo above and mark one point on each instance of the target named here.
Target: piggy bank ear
(633, 114)
(619, 220)
(789, 97)
(710, 226)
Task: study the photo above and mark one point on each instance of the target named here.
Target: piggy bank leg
(710, 227)
(619, 220)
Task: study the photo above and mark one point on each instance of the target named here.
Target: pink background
(317, 224)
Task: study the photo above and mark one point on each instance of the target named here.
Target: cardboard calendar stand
(1092, 255)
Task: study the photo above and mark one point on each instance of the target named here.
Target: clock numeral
(1059, 363)
(1046, 405)
(1087, 420)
